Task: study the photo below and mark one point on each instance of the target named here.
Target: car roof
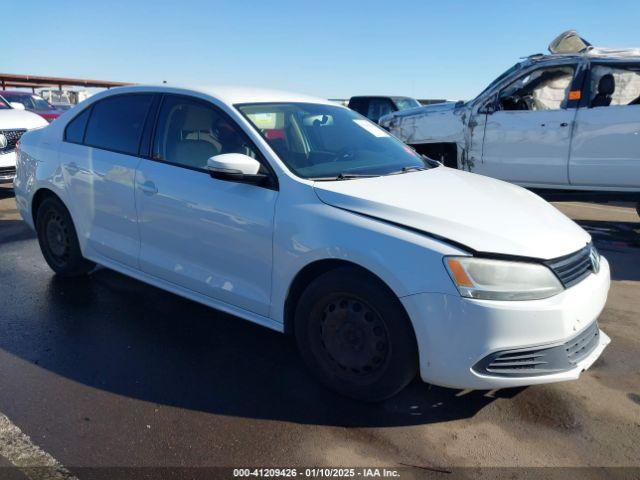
(230, 95)
(600, 54)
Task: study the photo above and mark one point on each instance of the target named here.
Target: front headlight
(489, 279)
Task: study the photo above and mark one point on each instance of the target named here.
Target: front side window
(615, 86)
(543, 89)
(326, 142)
(189, 132)
(116, 122)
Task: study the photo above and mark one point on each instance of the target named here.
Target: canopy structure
(10, 80)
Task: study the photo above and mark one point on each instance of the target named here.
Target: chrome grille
(572, 268)
(12, 137)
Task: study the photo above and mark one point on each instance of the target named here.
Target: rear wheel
(353, 333)
(58, 239)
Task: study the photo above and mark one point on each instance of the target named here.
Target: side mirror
(236, 167)
(17, 105)
(487, 108)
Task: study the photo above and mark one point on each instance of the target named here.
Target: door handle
(564, 124)
(148, 188)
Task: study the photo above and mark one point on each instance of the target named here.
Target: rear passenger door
(605, 150)
(205, 235)
(99, 158)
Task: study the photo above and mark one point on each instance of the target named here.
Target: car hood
(12, 119)
(426, 109)
(481, 213)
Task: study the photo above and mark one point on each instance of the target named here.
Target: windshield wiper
(408, 169)
(344, 176)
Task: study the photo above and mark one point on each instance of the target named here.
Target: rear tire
(58, 239)
(355, 336)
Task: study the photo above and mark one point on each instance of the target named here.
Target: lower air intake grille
(529, 362)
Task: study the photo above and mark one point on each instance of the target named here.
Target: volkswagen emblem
(594, 256)
(3, 142)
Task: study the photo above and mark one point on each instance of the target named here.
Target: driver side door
(528, 136)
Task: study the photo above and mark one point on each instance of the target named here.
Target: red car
(33, 103)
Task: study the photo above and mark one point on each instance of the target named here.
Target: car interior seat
(606, 87)
(190, 141)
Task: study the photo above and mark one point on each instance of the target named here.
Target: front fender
(407, 261)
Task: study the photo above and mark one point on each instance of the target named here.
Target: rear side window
(379, 107)
(75, 129)
(360, 105)
(116, 123)
(615, 85)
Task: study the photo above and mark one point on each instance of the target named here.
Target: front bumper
(7, 167)
(456, 334)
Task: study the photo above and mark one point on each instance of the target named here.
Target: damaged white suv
(569, 120)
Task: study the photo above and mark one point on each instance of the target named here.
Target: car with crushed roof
(565, 122)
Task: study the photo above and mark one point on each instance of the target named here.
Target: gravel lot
(107, 371)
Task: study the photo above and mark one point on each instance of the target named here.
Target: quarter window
(116, 122)
(189, 132)
(75, 129)
(543, 89)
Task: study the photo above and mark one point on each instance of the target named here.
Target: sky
(330, 48)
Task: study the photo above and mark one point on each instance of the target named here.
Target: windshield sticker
(371, 128)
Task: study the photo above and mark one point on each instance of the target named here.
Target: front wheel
(355, 336)
(58, 239)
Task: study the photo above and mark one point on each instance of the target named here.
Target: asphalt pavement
(105, 371)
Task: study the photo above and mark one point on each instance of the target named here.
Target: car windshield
(404, 103)
(41, 103)
(23, 99)
(327, 142)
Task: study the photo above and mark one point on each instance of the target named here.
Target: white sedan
(305, 217)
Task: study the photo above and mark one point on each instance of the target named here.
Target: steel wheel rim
(353, 337)
(57, 237)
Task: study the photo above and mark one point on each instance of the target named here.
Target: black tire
(355, 336)
(58, 239)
